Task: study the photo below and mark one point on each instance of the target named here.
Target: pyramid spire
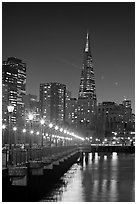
(87, 47)
(87, 87)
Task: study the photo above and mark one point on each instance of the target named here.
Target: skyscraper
(52, 101)
(87, 81)
(14, 87)
(87, 100)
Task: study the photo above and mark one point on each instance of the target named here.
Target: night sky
(50, 38)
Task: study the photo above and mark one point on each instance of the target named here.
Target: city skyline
(50, 39)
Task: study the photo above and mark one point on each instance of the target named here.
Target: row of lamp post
(10, 108)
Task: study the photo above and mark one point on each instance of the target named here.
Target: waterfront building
(13, 89)
(113, 117)
(87, 101)
(53, 102)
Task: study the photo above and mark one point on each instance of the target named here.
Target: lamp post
(15, 138)
(24, 136)
(30, 123)
(56, 140)
(42, 124)
(30, 132)
(10, 111)
(50, 133)
(3, 134)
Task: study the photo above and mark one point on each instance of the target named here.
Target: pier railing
(23, 156)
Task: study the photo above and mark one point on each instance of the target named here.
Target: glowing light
(14, 129)
(61, 129)
(3, 126)
(56, 127)
(24, 130)
(31, 132)
(37, 133)
(30, 116)
(10, 108)
(50, 125)
(76, 136)
(42, 122)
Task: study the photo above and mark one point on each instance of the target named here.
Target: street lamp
(14, 129)
(42, 124)
(24, 138)
(10, 108)
(3, 131)
(50, 132)
(61, 129)
(56, 127)
(30, 120)
(30, 116)
(50, 125)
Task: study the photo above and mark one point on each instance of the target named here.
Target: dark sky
(50, 38)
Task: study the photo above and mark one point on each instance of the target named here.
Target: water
(109, 178)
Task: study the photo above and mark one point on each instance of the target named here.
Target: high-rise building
(87, 100)
(71, 117)
(67, 108)
(52, 101)
(14, 87)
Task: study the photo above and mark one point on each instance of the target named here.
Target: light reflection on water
(104, 178)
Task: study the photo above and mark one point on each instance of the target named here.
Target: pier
(33, 171)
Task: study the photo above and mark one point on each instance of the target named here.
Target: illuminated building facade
(52, 102)
(13, 89)
(68, 106)
(72, 113)
(87, 100)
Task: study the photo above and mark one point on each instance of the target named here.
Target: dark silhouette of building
(52, 102)
(113, 117)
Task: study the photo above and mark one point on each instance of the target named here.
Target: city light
(3, 126)
(30, 116)
(37, 133)
(50, 125)
(56, 127)
(61, 129)
(31, 132)
(10, 108)
(14, 128)
(42, 121)
(24, 130)
(76, 136)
